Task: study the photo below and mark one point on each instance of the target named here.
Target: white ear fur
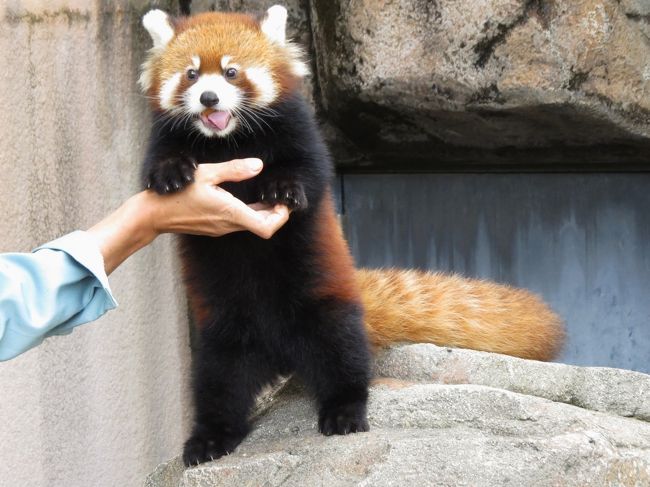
(159, 27)
(274, 23)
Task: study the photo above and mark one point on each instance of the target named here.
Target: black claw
(199, 448)
(289, 193)
(171, 174)
(344, 419)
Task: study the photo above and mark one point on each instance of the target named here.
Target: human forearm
(126, 230)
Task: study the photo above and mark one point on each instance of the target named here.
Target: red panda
(225, 86)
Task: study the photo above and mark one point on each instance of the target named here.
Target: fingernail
(254, 164)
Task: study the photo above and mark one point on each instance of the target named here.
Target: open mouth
(216, 120)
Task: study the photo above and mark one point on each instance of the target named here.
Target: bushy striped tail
(450, 310)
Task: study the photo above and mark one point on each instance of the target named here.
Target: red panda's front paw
(171, 174)
(285, 192)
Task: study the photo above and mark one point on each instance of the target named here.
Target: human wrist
(125, 231)
(142, 213)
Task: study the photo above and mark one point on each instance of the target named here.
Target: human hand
(203, 208)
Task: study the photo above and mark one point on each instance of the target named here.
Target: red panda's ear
(160, 27)
(273, 24)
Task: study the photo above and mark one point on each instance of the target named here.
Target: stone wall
(104, 405)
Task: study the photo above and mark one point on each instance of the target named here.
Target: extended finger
(273, 220)
(235, 170)
(266, 206)
(263, 222)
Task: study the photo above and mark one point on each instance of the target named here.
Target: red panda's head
(219, 71)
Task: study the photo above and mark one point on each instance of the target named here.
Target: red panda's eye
(192, 74)
(231, 73)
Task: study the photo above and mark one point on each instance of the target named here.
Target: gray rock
(425, 433)
(615, 391)
(502, 81)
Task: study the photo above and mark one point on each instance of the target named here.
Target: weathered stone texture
(614, 391)
(503, 81)
(425, 433)
(104, 405)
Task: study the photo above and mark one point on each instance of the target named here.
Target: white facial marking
(263, 81)
(168, 92)
(229, 99)
(228, 94)
(159, 27)
(196, 62)
(224, 61)
(274, 24)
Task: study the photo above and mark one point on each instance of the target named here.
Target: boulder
(450, 417)
(615, 391)
(421, 84)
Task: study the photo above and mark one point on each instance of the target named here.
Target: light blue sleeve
(60, 285)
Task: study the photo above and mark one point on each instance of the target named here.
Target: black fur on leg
(336, 367)
(226, 383)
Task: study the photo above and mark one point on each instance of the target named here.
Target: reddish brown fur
(199, 306)
(450, 310)
(333, 257)
(213, 35)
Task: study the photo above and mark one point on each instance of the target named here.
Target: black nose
(209, 99)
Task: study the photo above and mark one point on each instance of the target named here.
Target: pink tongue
(219, 119)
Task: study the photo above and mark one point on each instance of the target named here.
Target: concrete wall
(103, 406)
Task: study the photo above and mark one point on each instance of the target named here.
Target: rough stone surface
(614, 391)
(440, 83)
(426, 433)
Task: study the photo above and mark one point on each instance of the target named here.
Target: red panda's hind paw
(171, 174)
(202, 448)
(286, 192)
(343, 419)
